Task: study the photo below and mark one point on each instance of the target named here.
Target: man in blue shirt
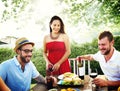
(18, 71)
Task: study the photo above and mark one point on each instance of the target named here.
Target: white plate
(60, 76)
(53, 89)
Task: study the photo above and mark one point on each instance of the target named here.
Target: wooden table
(86, 87)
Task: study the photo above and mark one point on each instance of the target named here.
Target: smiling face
(56, 23)
(55, 26)
(25, 53)
(105, 46)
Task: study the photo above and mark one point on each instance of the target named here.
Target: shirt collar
(113, 55)
(16, 61)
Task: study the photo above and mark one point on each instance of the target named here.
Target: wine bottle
(81, 71)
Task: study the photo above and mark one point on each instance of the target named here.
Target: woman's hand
(56, 66)
(55, 81)
(47, 65)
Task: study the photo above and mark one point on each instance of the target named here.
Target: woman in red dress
(57, 47)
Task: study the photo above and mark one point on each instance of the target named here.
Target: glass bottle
(81, 68)
(49, 78)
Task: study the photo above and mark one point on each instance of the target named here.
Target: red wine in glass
(49, 70)
(50, 67)
(93, 73)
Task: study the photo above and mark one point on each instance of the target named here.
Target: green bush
(76, 50)
(5, 54)
(39, 61)
(117, 42)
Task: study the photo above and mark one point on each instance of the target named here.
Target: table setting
(84, 85)
(72, 81)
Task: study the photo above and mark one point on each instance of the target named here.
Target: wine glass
(93, 74)
(49, 70)
(50, 67)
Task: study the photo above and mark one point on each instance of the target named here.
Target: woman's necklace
(54, 37)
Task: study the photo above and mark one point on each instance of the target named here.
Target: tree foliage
(112, 9)
(94, 12)
(91, 12)
(76, 50)
(12, 8)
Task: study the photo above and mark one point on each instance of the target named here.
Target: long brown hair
(61, 23)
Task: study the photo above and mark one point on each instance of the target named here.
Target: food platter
(69, 80)
(67, 74)
(68, 85)
(70, 89)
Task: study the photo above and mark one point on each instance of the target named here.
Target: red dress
(56, 50)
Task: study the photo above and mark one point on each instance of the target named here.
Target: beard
(106, 51)
(24, 60)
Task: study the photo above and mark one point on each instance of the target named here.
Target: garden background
(76, 50)
(83, 19)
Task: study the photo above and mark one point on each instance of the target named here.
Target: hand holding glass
(93, 74)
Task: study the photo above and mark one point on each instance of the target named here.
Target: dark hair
(61, 23)
(107, 34)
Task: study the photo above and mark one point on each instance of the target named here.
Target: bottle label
(81, 71)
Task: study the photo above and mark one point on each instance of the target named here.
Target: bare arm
(102, 82)
(3, 86)
(113, 83)
(87, 57)
(40, 78)
(45, 52)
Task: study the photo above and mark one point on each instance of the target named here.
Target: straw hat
(22, 41)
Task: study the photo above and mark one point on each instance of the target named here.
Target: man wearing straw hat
(18, 71)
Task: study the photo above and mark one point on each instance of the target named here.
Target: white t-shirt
(111, 69)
